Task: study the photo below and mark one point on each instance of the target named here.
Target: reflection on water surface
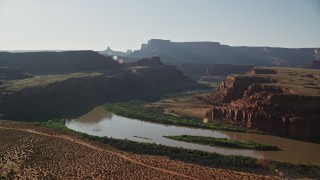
(99, 122)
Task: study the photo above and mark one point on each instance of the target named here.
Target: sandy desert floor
(32, 152)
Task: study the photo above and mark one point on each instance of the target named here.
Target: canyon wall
(51, 100)
(264, 102)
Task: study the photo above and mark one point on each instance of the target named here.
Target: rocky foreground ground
(32, 152)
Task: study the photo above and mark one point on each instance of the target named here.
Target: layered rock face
(279, 102)
(235, 86)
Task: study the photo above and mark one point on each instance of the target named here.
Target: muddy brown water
(99, 122)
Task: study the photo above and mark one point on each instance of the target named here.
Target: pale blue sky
(125, 24)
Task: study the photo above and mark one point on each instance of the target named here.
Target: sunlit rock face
(277, 102)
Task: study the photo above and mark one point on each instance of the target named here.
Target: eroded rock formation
(280, 102)
(235, 86)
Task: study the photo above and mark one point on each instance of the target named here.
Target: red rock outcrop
(264, 103)
(235, 86)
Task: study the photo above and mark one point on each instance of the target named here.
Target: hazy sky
(124, 24)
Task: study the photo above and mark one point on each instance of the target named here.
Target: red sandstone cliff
(267, 103)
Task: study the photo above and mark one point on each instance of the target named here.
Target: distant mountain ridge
(111, 52)
(57, 62)
(216, 53)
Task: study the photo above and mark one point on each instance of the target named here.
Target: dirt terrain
(32, 152)
(192, 106)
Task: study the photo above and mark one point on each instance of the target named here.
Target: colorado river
(100, 122)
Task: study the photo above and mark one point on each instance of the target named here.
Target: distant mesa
(216, 53)
(57, 62)
(158, 42)
(193, 58)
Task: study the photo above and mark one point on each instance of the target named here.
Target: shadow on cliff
(81, 106)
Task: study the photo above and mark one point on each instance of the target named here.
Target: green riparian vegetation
(224, 142)
(137, 110)
(203, 158)
(58, 124)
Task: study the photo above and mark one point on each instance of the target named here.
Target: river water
(99, 122)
